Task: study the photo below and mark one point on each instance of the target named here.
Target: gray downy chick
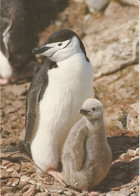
(87, 157)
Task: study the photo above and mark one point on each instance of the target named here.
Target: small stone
(24, 179)
(10, 109)
(5, 162)
(135, 194)
(56, 189)
(112, 193)
(17, 167)
(97, 4)
(125, 157)
(131, 152)
(68, 193)
(124, 191)
(130, 2)
(32, 181)
(16, 182)
(41, 194)
(30, 192)
(10, 170)
(137, 152)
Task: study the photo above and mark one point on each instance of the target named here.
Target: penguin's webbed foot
(57, 175)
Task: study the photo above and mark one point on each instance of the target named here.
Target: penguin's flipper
(35, 93)
(78, 147)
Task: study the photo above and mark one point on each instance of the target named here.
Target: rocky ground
(111, 40)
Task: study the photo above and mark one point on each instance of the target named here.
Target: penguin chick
(86, 156)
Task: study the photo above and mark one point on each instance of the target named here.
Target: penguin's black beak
(84, 112)
(41, 49)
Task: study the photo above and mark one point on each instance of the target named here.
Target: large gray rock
(97, 4)
(130, 2)
(115, 44)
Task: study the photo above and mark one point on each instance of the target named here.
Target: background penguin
(86, 156)
(21, 21)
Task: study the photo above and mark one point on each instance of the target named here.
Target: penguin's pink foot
(4, 81)
(57, 175)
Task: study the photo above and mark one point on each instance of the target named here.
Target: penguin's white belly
(5, 68)
(67, 89)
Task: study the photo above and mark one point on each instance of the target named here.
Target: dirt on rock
(119, 93)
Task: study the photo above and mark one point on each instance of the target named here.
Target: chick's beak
(84, 112)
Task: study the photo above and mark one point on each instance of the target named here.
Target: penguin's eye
(93, 109)
(60, 44)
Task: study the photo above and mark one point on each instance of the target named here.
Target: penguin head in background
(92, 109)
(61, 45)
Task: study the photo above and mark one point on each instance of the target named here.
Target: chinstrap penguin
(55, 96)
(86, 156)
(53, 103)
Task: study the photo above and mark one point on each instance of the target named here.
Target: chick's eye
(60, 44)
(93, 109)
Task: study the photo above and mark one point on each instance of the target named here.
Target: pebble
(24, 179)
(16, 182)
(137, 152)
(32, 181)
(125, 157)
(97, 4)
(30, 192)
(56, 189)
(16, 167)
(124, 192)
(112, 193)
(131, 152)
(41, 194)
(68, 193)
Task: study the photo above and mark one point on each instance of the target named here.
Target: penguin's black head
(61, 45)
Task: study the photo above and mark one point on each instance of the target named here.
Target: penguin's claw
(57, 175)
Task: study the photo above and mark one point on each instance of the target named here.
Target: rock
(18, 89)
(131, 152)
(133, 118)
(112, 8)
(120, 176)
(112, 193)
(80, 1)
(97, 4)
(16, 182)
(130, 2)
(56, 189)
(124, 192)
(24, 179)
(69, 193)
(117, 52)
(116, 118)
(42, 194)
(137, 152)
(10, 110)
(125, 157)
(30, 192)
